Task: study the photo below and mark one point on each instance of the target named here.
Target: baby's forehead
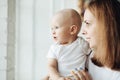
(67, 16)
(61, 19)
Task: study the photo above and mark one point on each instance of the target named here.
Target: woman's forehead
(88, 15)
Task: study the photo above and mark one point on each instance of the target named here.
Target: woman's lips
(87, 39)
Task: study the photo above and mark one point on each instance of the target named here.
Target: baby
(69, 50)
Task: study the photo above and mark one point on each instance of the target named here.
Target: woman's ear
(73, 29)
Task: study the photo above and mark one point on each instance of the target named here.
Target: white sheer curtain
(33, 35)
(3, 39)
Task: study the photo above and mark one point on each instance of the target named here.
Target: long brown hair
(107, 12)
(81, 7)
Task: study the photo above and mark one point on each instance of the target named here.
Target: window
(33, 35)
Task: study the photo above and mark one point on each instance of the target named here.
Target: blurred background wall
(25, 36)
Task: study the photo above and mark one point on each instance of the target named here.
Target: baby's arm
(53, 69)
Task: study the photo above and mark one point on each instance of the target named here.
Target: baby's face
(60, 29)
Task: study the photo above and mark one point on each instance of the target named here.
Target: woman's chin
(91, 45)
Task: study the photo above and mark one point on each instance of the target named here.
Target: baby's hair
(74, 16)
(69, 17)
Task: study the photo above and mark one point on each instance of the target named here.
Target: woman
(102, 30)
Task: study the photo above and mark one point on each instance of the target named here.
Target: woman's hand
(81, 75)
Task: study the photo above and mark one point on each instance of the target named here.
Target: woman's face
(91, 30)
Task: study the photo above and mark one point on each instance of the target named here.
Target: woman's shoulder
(102, 73)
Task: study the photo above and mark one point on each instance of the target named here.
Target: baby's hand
(63, 78)
(68, 78)
(81, 75)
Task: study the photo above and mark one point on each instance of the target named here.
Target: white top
(102, 73)
(70, 56)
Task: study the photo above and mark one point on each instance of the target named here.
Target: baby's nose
(53, 31)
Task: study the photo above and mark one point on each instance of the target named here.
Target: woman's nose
(83, 29)
(84, 32)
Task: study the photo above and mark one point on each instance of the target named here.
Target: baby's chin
(55, 39)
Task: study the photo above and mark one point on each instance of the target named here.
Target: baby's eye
(56, 27)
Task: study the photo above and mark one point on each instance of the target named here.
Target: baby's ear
(73, 29)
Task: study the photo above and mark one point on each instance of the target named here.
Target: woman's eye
(87, 23)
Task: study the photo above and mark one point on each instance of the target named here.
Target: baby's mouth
(54, 37)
